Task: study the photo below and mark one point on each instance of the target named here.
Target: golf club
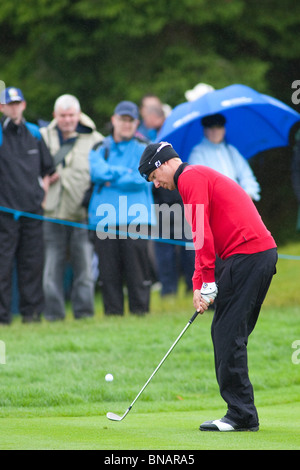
(115, 417)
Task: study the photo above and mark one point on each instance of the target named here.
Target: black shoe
(53, 318)
(34, 318)
(225, 425)
(83, 315)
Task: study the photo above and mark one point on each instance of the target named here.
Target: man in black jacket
(25, 164)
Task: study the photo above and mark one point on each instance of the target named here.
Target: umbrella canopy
(254, 122)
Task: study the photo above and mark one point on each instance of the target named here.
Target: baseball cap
(127, 108)
(11, 95)
(154, 156)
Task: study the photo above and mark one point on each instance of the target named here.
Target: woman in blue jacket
(121, 210)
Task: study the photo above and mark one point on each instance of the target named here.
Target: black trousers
(243, 282)
(124, 262)
(21, 240)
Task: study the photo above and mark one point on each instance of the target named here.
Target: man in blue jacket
(24, 163)
(121, 210)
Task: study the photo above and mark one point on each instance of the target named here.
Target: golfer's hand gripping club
(205, 296)
(209, 292)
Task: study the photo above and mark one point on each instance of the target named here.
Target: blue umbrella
(254, 122)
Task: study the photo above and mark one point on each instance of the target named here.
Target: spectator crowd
(66, 175)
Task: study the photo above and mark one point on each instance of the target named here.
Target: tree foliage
(104, 51)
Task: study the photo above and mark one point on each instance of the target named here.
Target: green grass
(53, 394)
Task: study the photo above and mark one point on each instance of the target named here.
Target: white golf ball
(109, 377)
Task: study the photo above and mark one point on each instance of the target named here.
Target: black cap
(154, 156)
(213, 120)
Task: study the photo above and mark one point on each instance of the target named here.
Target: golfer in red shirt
(235, 261)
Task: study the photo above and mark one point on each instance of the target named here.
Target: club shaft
(163, 359)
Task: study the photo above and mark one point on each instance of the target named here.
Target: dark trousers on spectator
(64, 243)
(243, 282)
(21, 240)
(173, 260)
(124, 262)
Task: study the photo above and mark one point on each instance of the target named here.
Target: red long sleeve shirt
(223, 218)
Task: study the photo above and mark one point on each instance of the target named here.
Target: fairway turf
(159, 431)
(53, 393)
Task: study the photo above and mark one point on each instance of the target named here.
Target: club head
(114, 417)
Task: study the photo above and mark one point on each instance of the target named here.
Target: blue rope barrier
(291, 257)
(17, 214)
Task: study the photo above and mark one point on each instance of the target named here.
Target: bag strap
(63, 151)
(106, 145)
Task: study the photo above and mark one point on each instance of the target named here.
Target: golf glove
(209, 291)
